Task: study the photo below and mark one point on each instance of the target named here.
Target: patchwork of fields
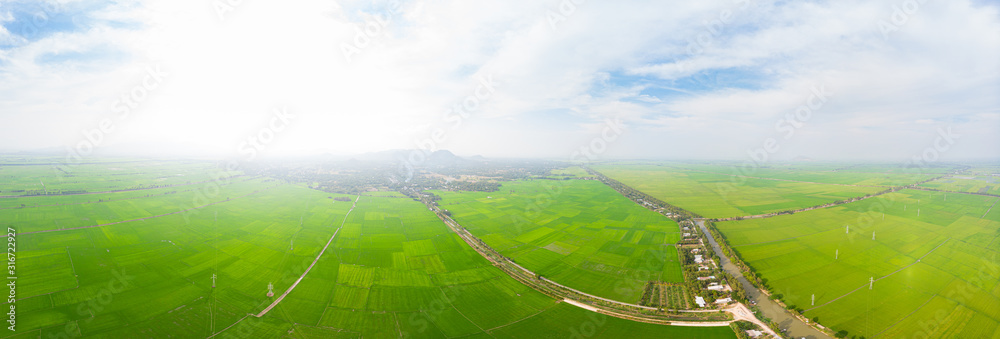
(971, 184)
(579, 233)
(126, 264)
(937, 274)
(712, 192)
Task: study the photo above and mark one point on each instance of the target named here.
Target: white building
(723, 300)
(700, 301)
(754, 333)
(698, 259)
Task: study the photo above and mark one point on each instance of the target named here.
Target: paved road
(795, 327)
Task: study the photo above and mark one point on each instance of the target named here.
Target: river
(792, 326)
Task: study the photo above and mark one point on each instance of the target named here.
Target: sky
(731, 79)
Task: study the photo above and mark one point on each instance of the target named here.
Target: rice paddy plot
(720, 195)
(579, 233)
(875, 264)
(969, 184)
(393, 270)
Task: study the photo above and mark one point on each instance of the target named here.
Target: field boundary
(882, 277)
(627, 311)
(989, 209)
(788, 180)
(296, 283)
(117, 191)
(149, 217)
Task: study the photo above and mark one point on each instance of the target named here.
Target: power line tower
(213, 280)
(270, 290)
(871, 282)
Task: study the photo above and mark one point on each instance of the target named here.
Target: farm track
(956, 192)
(115, 191)
(149, 217)
(988, 209)
(906, 316)
(296, 283)
(882, 277)
(554, 289)
(852, 200)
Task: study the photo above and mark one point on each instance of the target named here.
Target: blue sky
(707, 79)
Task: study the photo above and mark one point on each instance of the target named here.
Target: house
(695, 250)
(698, 259)
(702, 268)
(687, 235)
(711, 277)
(754, 333)
(717, 287)
(723, 300)
(700, 301)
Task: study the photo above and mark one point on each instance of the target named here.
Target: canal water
(793, 327)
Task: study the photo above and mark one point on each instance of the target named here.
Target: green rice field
(713, 192)
(143, 262)
(579, 233)
(970, 184)
(936, 274)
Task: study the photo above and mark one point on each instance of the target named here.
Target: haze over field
(828, 80)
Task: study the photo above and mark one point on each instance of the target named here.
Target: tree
(841, 334)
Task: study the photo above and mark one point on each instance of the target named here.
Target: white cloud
(226, 75)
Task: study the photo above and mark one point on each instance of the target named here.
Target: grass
(579, 233)
(815, 253)
(393, 270)
(717, 194)
(970, 184)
